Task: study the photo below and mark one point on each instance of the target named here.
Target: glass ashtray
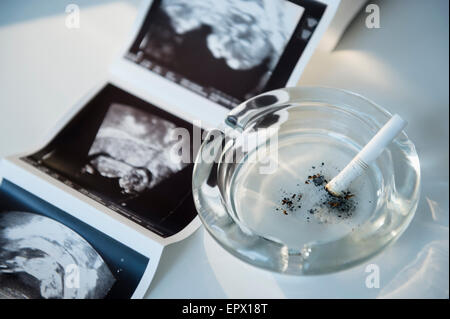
(258, 182)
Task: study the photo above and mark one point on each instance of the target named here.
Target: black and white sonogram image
(41, 258)
(125, 153)
(133, 147)
(229, 48)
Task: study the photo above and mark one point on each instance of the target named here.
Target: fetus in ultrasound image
(230, 46)
(42, 258)
(243, 32)
(134, 147)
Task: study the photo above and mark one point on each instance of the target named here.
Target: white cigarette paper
(366, 156)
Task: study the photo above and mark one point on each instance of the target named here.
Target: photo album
(88, 212)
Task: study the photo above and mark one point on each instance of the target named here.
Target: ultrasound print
(41, 258)
(229, 46)
(244, 33)
(134, 147)
(124, 153)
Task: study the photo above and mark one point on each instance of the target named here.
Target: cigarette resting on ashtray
(366, 156)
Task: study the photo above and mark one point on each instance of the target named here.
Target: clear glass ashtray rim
(294, 261)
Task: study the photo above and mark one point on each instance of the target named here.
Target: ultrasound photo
(224, 50)
(119, 151)
(133, 147)
(41, 258)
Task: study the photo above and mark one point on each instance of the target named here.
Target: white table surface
(45, 68)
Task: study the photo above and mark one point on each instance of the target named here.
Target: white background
(45, 68)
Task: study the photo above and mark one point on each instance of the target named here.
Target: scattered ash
(290, 203)
(329, 208)
(340, 206)
(317, 179)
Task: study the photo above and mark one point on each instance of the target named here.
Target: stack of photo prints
(88, 213)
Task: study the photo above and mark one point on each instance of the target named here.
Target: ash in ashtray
(313, 201)
(290, 203)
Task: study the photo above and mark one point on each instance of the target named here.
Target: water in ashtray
(266, 204)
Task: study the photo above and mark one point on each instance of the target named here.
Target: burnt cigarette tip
(331, 191)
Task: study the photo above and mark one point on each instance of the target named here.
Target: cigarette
(366, 156)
